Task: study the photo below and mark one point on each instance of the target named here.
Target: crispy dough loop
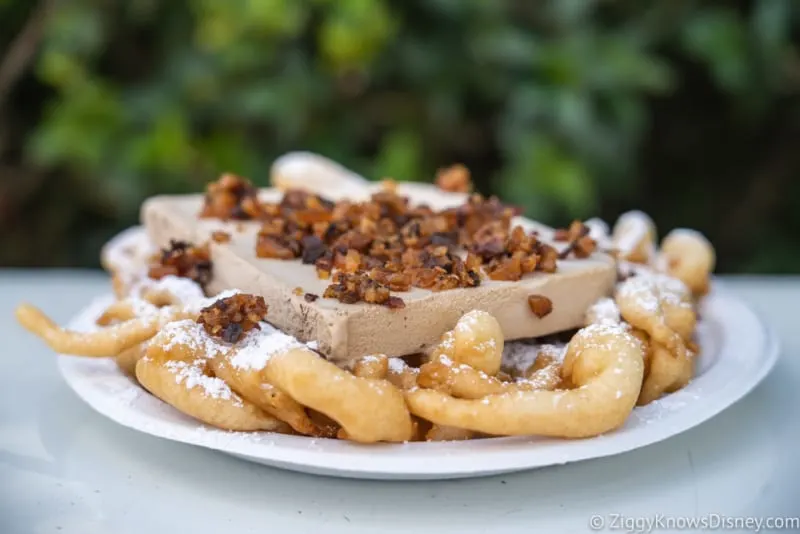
(253, 386)
(448, 433)
(667, 373)
(368, 410)
(128, 358)
(478, 342)
(604, 362)
(177, 371)
(634, 237)
(401, 375)
(660, 306)
(467, 361)
(688, 256)
(373, 366)
(103, 343)
(125, 310)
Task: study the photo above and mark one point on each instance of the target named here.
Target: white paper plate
(737, 353)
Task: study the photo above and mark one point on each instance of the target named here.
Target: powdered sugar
(601, 330)
(468, 320)
(631, 228)
(599, 231)
(518, 356)
(648, 291)
(191, 374)
(190, 334)
(640, 289)
(604, 311)
(397, 365)
(128, 251)
(255, 350)
(142, 308)
(183, 290)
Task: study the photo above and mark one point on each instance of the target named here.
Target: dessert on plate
(335, 307)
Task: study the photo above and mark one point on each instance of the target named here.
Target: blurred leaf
(551, 176)
(354, 31)
(620, 65)
(59, 69)
(166, 147)
(80, 129)
(399, 158)
(562, 106)
(718, 38)
(75, 28)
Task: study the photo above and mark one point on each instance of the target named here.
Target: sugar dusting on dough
(190, 334)
(397, 365)
(599, 231)
(604, 311)
(640, 289)
(649, 290)
(192, 375)
(183, 289)
(520, 355)
(132, 406)
(127, 252)
(630, 229)
(255, 350)
(468, 321)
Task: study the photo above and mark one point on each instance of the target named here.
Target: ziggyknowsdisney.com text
(642, 524)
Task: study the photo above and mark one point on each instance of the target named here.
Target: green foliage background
(687, 109)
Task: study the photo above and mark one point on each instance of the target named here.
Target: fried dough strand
(176, 369)
(603, 361)
(368, 410)
(100, 344)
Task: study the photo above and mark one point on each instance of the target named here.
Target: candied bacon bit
(313, 248)
(395, 303)
(384, 244)
(455, 178)
(352, 261)
(219, 236)
(182, 259)
(389, 185)
(580, 244)
(350, 288)
(232, 317)
(508, 269)
(278, 247)
(540, 305)
(548, 258)
(584, 246)
(310, 297)
(231, 197)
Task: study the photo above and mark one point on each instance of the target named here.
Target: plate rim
(385, 466)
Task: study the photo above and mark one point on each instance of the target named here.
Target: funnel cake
(409, 321)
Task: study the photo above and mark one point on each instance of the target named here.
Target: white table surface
(64, 468)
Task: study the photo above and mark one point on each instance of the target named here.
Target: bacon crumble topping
(580, 244)
(219, 236)
(232, 317)
(182, 259)
(540, 305)
(455, 179)
(369, 249)
(231, 197)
